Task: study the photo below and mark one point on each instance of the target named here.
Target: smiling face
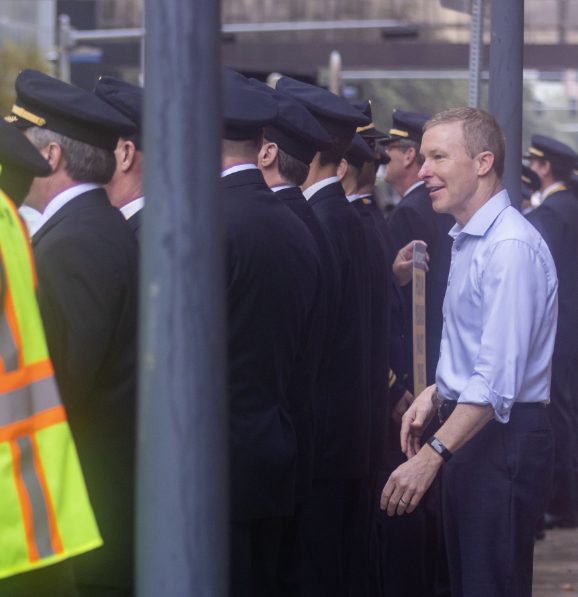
(450, 174)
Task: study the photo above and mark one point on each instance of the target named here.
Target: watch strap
(437, 446)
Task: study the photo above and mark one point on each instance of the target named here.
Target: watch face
(437, 445)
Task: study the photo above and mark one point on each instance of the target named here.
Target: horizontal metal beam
(362, 75)
(280, 26)
(272, 27)
(306, 58)
(77, 35)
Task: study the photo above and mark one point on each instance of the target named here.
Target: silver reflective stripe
(8, 348)
(30, 400)
(37, 502)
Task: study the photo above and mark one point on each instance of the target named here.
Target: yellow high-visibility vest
(45, 513)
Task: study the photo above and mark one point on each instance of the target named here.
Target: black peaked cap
(530, 179)
(295, 130)
(20, 162)
(246, 107)
(335, 113)
(359, 152)
(49, 103)
(547, 148)
(368, 131)
(407, 125)
(127, 99)
(17, 151)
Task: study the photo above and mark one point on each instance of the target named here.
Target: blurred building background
(410, 54)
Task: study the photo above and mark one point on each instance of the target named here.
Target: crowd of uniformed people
(320, 344)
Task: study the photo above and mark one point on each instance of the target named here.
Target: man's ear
(268, 154)
(53, 155)
(127, 155)
(342, 169)
(485, 161)
(409, 156)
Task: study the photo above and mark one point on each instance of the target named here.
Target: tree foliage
(14, 58)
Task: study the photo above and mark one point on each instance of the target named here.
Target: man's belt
(446, 407)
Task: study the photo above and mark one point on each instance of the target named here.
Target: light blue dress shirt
(500, 312)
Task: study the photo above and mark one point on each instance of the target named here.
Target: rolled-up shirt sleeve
(516, 297)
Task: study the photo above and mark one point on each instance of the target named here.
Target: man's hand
(409, 481)
(401, 407)
(415, 420)
(402, 265)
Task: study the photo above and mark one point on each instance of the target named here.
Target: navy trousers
(563, 410)
(494, 489)
(335, 539)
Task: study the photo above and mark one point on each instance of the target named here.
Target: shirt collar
(132, 207)
(481, 221)
(282, 187)
(356, 197)
(551, 189)
(310, 191)
(413, 186)
(237, 168)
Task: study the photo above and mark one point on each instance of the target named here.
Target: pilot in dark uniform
(557, 221)
(334, 518)
(289, 145)
(125, 190)
(272, 276)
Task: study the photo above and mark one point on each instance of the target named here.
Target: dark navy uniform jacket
(343, 409)
(381, 283)
(557, 221)
(304, 383)
(134, 222)
(86, 259)
(272, 284)
(415, 219)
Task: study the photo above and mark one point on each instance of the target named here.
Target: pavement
(556, 564)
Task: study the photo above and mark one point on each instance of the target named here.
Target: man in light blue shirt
(493, 376)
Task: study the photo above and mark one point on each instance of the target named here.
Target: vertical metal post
(64, 48)
(562, 21)
(335, 72)
(182, 497)
(476, 45)
(506, 85)
(142, 55)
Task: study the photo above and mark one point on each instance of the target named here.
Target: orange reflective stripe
(23, 377)
(25, 505)
(55, 538)
(51, 416)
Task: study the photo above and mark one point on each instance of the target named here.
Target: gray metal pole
(335, 72)
(476, 44)
(506, 64)
(182, 497)
(64, 45)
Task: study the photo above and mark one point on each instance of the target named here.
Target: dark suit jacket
(397, 357)
(272, 283)
(380, 294)
(86, 259)
(414, 219)
(134, 222)
(557, 221)
(304, 381)
(343, 409)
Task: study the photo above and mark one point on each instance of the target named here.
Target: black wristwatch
(438, 447)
